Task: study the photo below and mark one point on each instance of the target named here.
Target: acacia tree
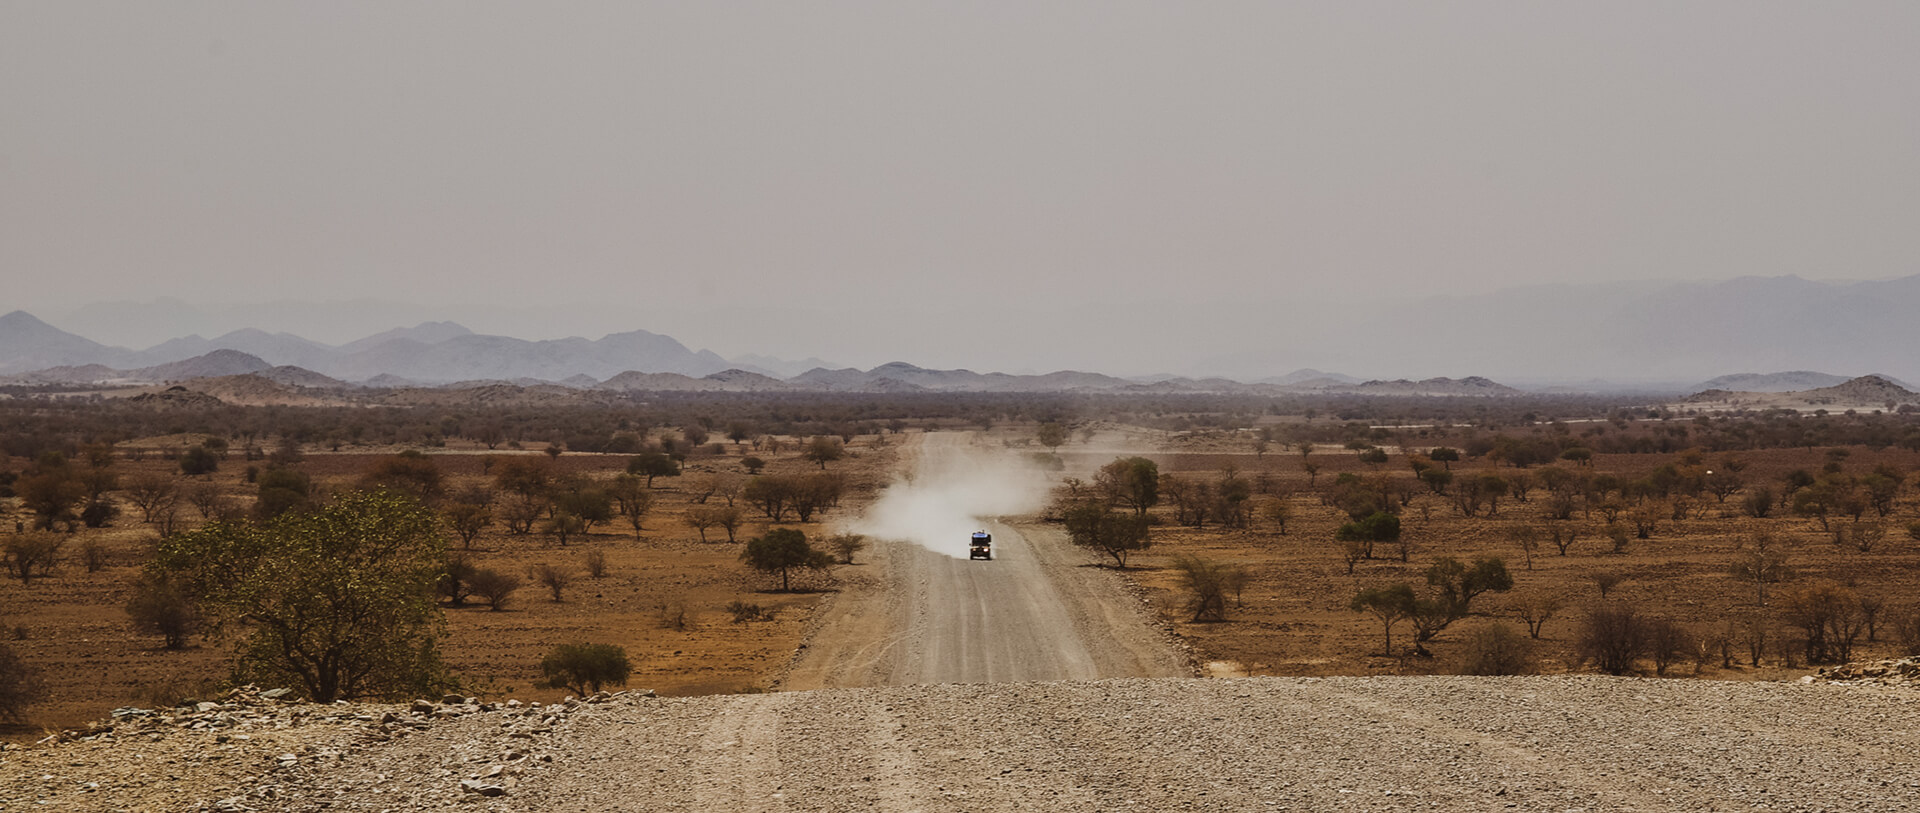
(339, 601)
(1390, 604)
(824, 450)
(1132, 482)
(584, 668)
(653, 464)
(1052, 435)
(1094, 525)
(631, 498)
(782, 551)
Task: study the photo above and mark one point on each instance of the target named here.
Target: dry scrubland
(1293, 617)
(664, 595)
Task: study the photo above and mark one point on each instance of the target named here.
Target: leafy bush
(584, 668)
(338, 602)
(493, 587)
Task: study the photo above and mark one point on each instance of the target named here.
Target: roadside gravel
(1542, 743)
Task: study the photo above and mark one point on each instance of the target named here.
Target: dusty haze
(1121, 186)
(951, 489)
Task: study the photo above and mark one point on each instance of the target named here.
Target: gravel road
(1542, 743)
(1037, 611)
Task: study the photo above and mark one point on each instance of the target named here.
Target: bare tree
(1762, 561)
(555, 578)
(151, 493)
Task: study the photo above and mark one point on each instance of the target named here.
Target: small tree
(653, 464)
(1378, 527)
(702, 518)
(1093, 525)
(1207, 584)
(1277, 512)
(1131, 482)
(1052, 435)
(584, 668)
(1612, 637)
(339, 601)
(467, 520)
(199, 460)
(630, 495)
(32, 554)
(596, 562)
(846, 545)
(1460, 584)
(1829, 614)
(1390, 604)
(1537, 607)
(781, 551)
(1761, 561)
(730, 519)
(823, 450)
(1668, 643)
(553, 577)
(1606, 580)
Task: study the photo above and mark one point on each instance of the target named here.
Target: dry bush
(1612, 637)
(1668, 643)
(493, 587)
(846, 545)
(1906, 629)
(1494, 649)
(32, 554)
(94, 556)
(20, 685)
(161, 606)
(672, 615)
(745, 613)
(553, 577)
(1537, 607)
(1606, 580)
(596, 562)
(1207, 584)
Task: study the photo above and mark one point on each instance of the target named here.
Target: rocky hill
(1792, 381)
(1442, 387)
(1867, 389)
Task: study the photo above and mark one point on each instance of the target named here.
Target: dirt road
(1308, 744)
(1039, 610)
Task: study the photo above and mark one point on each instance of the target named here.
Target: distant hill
(426, 333)
(1792, 381)
(1867, 389)
(1868, 392)
(216, 363)
(1472, 385)
(280, 348)
(28, 344)
(1309, 377)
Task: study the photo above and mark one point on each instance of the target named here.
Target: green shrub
(584, 668)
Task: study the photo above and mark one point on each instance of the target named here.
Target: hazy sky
(995, 185)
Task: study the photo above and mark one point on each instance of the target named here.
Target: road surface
(1039, 610)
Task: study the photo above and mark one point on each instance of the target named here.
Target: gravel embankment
(1543, 743)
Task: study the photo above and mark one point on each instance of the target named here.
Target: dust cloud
(951, 490)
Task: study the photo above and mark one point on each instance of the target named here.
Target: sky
(1123, 186)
